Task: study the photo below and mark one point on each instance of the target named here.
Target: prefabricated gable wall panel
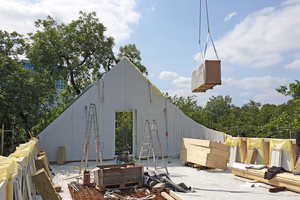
(124, 88)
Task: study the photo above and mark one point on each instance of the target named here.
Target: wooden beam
(168, 197)
(176, 196)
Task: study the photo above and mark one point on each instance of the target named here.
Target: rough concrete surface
(208, 184)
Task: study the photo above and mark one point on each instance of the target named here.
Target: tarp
(283, 144)
(258, 143)
(235, 141)
(8, 169)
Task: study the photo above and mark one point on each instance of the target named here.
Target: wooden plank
(267, 146)
(44, 186)
(165, 195)
(290, 181)
(203, 143)
(244, 148)
(176, 196)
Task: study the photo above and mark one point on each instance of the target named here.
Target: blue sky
(258, 42)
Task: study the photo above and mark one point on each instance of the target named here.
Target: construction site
(157, 152)
(172, 156)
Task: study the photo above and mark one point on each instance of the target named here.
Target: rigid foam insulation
(123, 88)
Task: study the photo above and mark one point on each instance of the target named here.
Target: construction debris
(158, 187)
(205, 153)
(152, 178)
(57, 188)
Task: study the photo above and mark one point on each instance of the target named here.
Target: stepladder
(151, 144)
(91, 119)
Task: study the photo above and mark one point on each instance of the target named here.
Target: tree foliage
(130, 51)
(25, 95)
(294, 90)
(72, 52)
(78, 53)
(123, 128)
(255, 119)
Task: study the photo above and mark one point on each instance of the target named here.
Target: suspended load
(206, 76)
(208, 73)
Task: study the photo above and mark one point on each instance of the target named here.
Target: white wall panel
(123, 88)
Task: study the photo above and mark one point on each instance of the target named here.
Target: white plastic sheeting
(124, 88)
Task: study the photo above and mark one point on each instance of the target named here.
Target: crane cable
(200, 32)
(208, 31)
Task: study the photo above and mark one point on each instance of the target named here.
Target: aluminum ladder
(151, 141)
(92, 118)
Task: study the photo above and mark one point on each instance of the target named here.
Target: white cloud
(293, 65)
(182, 82)
(262, 83)
(167, 75)
(151, 9)
(18, 15)
(229, 16)
(226, 68)
(245, 94)
(270, 97)
(151, 75)
(262, 37)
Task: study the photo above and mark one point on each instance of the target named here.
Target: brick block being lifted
(206, 76)
(205, 152)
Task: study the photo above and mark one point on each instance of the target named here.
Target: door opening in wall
(123, 132)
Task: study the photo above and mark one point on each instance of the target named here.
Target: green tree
(130, 51)
(123, 126)
(24, 94)
(218, 106)
(72, 52)
(294, 90)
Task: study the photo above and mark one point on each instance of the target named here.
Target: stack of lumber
(290, 181)
(205, 152)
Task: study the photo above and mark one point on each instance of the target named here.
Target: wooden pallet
(194, 165)
(119, 185)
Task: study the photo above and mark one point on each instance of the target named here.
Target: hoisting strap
(208, 32)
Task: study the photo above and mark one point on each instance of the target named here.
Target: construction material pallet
(205, 153)
(118, 175)
(194, 165)
(119, 185)
(206, 76)
(90, 193)
(290, 181)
